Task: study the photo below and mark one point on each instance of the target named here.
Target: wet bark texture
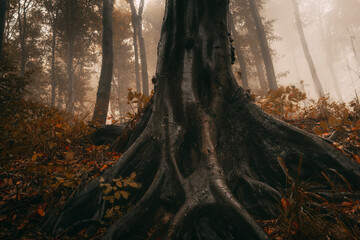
(206, 155)
(315, 77)
(2, 22)
(264, 45)
(104, 89)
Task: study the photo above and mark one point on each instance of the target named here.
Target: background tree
(134, 22)
(104, 89)
(23, 8)
(264, 46)
(53, 12)
(305, 47)
(123, 63)
(210, 151)
(250, 43)
(80, 46)
(2, 21)
(239, 54)
(137, 25)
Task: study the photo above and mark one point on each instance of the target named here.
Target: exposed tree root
(210, 161)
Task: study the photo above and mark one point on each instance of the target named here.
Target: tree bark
(2, 23)
(69, 11)
(212, 156)
(318, 87)
(264, 46)
(104, 89)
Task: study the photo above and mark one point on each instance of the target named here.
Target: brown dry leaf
(69, 156)
(117, 195)
(124, 194)
(134, 185)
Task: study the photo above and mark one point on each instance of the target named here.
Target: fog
(323, 25)
(331, 30)
(330, 26)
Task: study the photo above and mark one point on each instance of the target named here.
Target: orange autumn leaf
(41, 211)
(103, 167)
(34, 157)
(357, 158)
(285, 204)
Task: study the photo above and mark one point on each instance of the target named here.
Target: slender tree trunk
(295, 63)
(104, 89)
(355, 52)
(258, 60)
(318, 87)
(144, 70)
(137, 24)
(259, 67)
(53, 46)
(239, 54)
(209, 160)
(2, 23)
(330, 64)
(119, 88)
(264, 46)
(329, 60)
(22, 34)
(70, 41)
(134, 23)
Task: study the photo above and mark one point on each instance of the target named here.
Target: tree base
(207, 184)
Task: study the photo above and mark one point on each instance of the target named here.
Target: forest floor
(46, 155)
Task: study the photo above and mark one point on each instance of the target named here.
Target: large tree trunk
(207, 157)
(69, 11)
(318, 87)
(264, 46)
(2, 22)
(103, 94)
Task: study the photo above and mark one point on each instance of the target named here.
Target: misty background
(331, 29)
